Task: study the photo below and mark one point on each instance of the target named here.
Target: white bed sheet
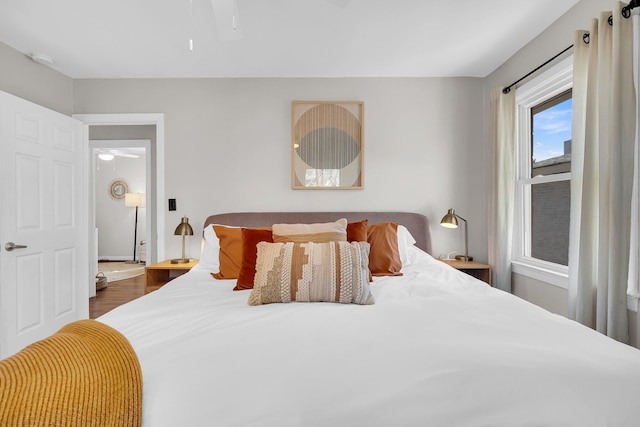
(438, 348)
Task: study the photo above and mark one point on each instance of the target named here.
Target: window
(543, 176)
(551, 201)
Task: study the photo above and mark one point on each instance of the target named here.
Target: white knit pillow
(312, 272)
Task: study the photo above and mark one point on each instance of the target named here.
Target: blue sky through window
(551, 128)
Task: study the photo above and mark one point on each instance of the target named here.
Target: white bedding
(438, 348)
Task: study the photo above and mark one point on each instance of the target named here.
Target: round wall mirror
(118, 189)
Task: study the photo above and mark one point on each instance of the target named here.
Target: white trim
(554, 81)
(87, 211)
(121, 258)
(156, 119)
(544, 179)
(542, 271)
(633, 302)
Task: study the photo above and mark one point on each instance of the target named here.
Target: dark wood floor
(117, 293)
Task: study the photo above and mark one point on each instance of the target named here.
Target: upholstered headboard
(417, 224)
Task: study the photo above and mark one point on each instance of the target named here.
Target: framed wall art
(327, 145)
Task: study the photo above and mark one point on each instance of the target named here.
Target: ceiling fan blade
(227, 19)
(129, 152)
(121, 154)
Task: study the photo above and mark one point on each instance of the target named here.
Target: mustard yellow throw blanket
(86, 374)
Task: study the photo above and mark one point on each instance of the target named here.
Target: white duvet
(438, 348)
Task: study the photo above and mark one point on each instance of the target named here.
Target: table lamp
(450, 220)
(183, 229)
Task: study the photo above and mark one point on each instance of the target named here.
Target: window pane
(550, 207)
(551, 136)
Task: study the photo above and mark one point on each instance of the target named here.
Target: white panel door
(42, 213)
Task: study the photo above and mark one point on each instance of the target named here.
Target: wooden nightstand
(476, 269)
(163, 272)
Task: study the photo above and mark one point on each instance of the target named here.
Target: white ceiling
(275, 38)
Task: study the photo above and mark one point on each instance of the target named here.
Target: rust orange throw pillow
(384, 257)
(357, 231)
(230, 251)
(250, 239)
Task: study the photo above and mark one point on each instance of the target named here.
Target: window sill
(560, 279)
(542, 273)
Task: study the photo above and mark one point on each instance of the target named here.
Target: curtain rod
(508, 88)
(626, 12)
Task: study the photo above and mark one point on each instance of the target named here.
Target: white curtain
(602, 165)
(634, 254)
(503, 110)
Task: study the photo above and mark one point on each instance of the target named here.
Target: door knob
(11, 246)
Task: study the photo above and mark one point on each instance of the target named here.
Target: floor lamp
(134, 200)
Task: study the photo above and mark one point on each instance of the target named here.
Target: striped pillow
(317, 233)
(312, 272)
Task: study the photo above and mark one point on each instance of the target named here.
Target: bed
(436, 348)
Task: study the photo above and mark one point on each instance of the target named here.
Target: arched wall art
(327, 145)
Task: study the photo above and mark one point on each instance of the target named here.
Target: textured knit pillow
(384, 257)
(317, 233)
(357, 232)
(250, 239)
(329, 272)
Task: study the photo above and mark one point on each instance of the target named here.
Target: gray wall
(553, 40)
(22, 77)
(227, 147)
(227, 142)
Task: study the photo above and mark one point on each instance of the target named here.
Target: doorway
(121, 167)
(127, 127)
